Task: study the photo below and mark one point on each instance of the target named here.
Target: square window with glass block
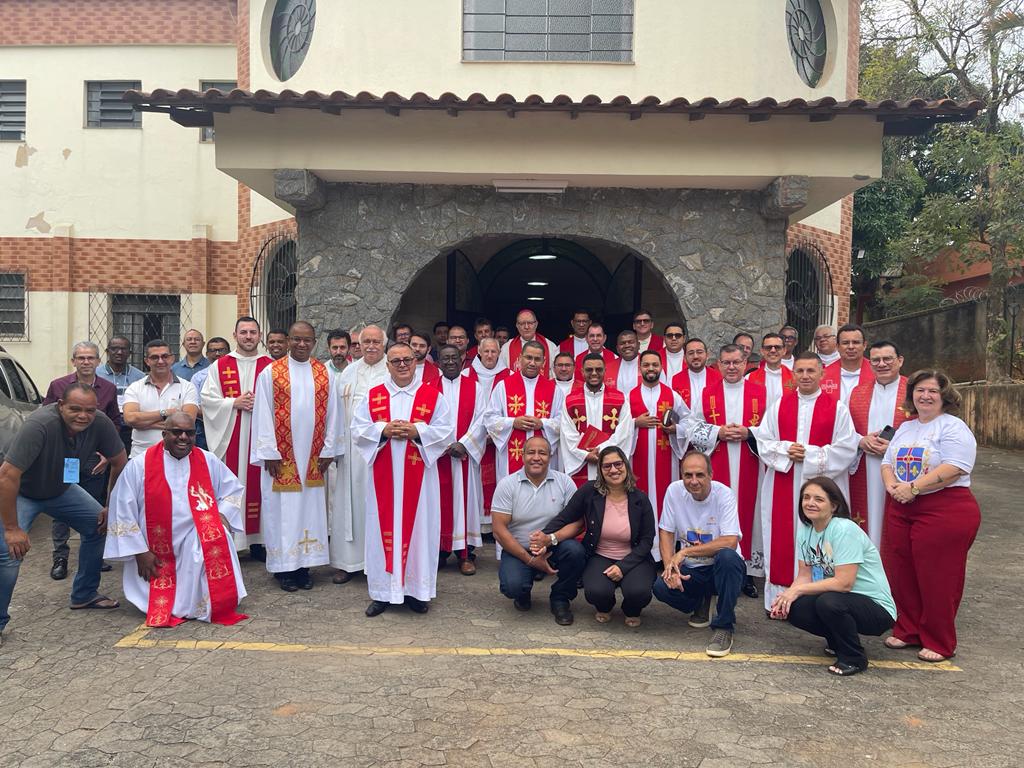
(104, 107)
(547, 30)
(224, 86)
(12, 110)
(13, 307)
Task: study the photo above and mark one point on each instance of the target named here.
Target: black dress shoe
(304, 579)
(417, 606)
(523, 603)
(288, 584)
(258, 552)
(563, 613)
(59, 572)
(749, 588)
(376, 608)
(106, 567)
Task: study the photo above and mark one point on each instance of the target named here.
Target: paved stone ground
(71, 698)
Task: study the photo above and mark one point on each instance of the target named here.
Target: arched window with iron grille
(272, 288)
(810, 301)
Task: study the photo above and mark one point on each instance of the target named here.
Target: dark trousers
(635, 585)
(95, 486)
(725, 576)
(516, 577)
(841, 617)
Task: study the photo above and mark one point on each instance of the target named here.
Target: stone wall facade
(720, 257)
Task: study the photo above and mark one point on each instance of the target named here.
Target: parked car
(19, 396)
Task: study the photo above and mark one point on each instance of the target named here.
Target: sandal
(633, 622)
(842, 669)
(100, 603)
(895, 643)
(602, 618)
(933, 657)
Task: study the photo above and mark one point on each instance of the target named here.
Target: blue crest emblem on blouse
(909, 463)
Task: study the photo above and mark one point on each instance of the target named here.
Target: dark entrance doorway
(496, 276)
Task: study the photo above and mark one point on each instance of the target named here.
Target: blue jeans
(79, 510)
(516, 577)
(725, 576)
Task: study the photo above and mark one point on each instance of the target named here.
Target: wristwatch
(914, 490)
(554, 540)
(163, 415)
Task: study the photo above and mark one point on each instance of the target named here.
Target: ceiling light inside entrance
(543, 257)
(535, 298)
(537, 283)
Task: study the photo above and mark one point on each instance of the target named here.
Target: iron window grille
(206, 133)
(13, 307)
(104, 107)
(272, 287)
(139, 317)
(547, 30)
(12, 110)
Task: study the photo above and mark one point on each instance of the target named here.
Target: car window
(30, 386)
(17, 386)
(4, 386)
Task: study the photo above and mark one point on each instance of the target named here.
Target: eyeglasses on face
(789, 337)
(674, 335)
(620, 464)
(772, 347)
(643, 321)
(159, 358)
(401, 362)
(883, 360)
(181, 432)
(823, 338)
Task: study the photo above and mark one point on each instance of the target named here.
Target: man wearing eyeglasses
(825, 344)
(402, 430)
(873, 407)
(85, 357)
(771, 374)
(173, 511)
(790, 338)
(673, 355)
(643, 324)
(149, 401)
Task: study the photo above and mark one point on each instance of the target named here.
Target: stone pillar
(784, 196)
(299, 188)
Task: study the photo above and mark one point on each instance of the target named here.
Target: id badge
(71, 470)
(817, 573)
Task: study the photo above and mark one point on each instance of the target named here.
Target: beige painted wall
(57, 320)
(264, 211)
(113, 183)
(829, 219)
(690, 48)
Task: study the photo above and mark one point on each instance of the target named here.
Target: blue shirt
(129, 375)
(183, 370)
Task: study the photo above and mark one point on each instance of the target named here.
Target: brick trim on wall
(118, 22)
(836, 248)
(853, 49)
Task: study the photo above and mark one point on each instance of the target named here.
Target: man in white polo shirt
(149, 401)
(524, 502)
(701, 515)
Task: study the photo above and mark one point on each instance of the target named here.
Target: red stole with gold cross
(663, 455)
(681, 383)
(783, 541)
(423, 406)
(220, 572)
(288, 476)
(612, 403)
(754, 398)
(465, 409)
(231, 387)
(515, 406)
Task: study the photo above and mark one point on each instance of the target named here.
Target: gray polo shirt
(43, 443)
(531, 506)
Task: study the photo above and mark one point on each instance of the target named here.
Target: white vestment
(772, 384)
(734, 404)
(294, 523)
(848, 381)
(565, 386)
(828, 359)
(552, 350)
(572, 456)
(674, 363)
(420, 577)
(348, 519)
(485, 375)
(880, 416)
(126, 531)
(219, 417)
(629, 376)
(468, 507)
(499, 422)
(832, 460)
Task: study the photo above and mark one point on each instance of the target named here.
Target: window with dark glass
(13, 306)
(104, 107)
(12, 110)
(547, 30)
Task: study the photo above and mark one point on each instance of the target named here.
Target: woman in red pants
(931, 516)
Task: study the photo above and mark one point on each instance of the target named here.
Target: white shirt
(773, 383)
(178, 393)
(788, 362)
(828, 359)
(917, 448)
(700, 522)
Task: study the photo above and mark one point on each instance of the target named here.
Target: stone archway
(717, 254)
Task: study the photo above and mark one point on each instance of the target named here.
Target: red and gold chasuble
(754, 399)
(681, 383)
(663, 456)
(423, 406)
(831, 380)
(860, 408)
(220, 572)
(788, 382)
(288, 477)
(515, 406)
(612, 403)
(515, 349)
(783, 541)
(465, 409)
(231, 387)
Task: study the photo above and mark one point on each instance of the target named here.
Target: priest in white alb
(227, 398)
(804, 434)
(673, 355)
(696, 375)
(298, 424)
(348, 518)
(172, 511)
(594, 417)
(874, 408)
(402, 429)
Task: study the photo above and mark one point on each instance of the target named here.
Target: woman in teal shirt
(840, 591)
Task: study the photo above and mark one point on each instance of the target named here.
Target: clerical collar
(732, 383)
(849, 373)
(812, 396)
(894, 383)
(592, 393)
(408, 388)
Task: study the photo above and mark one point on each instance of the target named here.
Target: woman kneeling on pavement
(840, 591)
(618, 537)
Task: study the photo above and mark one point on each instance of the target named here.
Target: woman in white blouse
(931, 516)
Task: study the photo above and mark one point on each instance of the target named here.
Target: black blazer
(587, 504)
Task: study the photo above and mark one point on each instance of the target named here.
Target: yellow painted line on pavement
(140, 639)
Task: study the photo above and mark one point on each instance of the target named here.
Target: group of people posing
(641, 473)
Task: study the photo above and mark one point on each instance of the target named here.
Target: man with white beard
(348, 497)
